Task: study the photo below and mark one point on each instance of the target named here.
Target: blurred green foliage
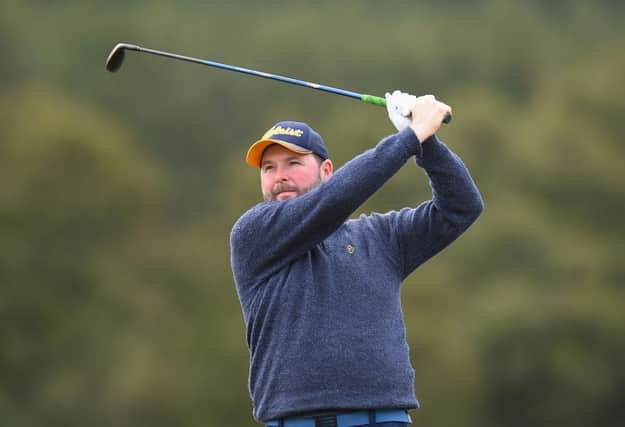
(117, 194)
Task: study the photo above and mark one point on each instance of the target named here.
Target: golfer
(320, 292)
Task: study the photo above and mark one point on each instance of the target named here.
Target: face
(285, 174)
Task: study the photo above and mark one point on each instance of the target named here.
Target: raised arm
(423, 231)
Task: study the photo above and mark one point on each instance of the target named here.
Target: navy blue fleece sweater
(321, 294)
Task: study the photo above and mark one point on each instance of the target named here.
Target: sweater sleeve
(272, 234)
(456, 203)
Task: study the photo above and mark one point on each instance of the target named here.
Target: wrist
(421, 133)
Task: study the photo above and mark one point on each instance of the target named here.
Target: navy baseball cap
(295, 136)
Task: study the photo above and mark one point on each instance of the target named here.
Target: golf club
(116, 58)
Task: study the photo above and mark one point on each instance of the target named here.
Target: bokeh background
(118, 191)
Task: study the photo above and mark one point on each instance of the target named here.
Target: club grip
(376, 100)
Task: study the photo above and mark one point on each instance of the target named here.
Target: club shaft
(253, 72)
(115, 59)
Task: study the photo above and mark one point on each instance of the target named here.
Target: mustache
(282, 187)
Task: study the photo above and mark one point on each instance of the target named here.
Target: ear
(326, 169)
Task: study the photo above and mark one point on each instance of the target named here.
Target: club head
(116, 57)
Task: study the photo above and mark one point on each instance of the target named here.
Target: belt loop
(281, 422)
(372, 418)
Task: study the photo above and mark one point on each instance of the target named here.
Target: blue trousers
(390, 424)
(368, 418)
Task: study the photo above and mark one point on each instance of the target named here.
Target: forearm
(454, 192)
(366, 173)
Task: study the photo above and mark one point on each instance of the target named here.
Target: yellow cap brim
(255, 152)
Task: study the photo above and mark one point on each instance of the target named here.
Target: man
(320, 293)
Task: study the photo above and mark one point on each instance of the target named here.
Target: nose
(281, 175)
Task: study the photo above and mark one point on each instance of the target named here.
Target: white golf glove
(399, 105)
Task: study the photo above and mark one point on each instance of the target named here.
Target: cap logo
(279, 130)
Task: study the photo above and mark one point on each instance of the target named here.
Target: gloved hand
(399, 105)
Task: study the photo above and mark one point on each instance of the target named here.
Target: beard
(282, 187)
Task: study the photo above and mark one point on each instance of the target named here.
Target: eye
(295, 162)
(267, 168)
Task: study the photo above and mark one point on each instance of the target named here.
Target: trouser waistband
(345, 419)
